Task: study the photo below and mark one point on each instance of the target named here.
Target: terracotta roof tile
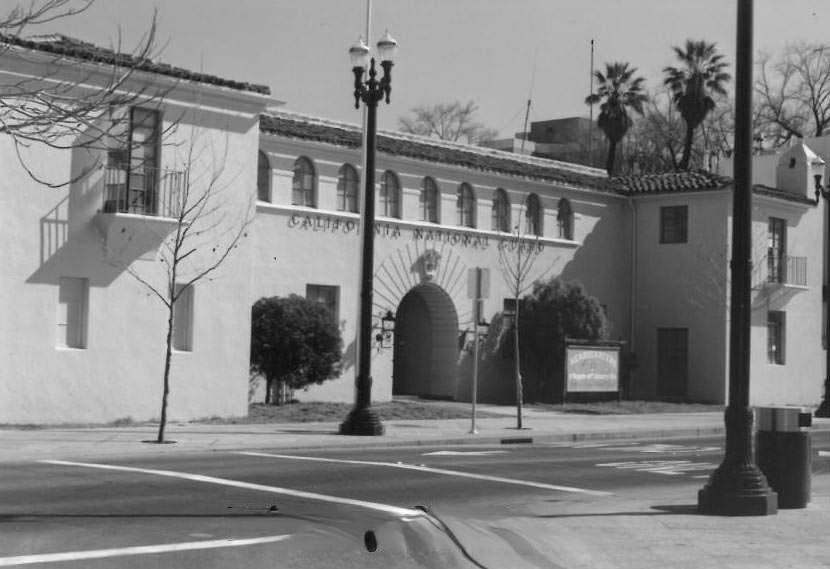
(673, 182)
(63, 45)
(430, 150)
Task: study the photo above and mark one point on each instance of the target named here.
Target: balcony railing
(144, 191)
(781, 270)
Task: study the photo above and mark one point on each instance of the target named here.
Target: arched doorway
(426, 344)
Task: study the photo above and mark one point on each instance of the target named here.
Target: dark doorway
(426, 344)
(672, 362)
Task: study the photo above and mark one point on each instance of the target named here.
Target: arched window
(302, 192)
(429, 200)
(501, 211)
(390, 195)
(263, 178)
(565, 219)
(466, 206)
(347, 183)
(533, 215)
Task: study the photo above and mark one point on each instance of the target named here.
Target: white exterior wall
(54, 233)
(297, 246)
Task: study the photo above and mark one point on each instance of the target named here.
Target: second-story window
(390, 195)
(132, 168)
(429, 200)
(674, 224)
(533, 215)
(466, 206)
(263, 178)
(302, 189)
(565, 219)
(501, 212)
(347, 188)
(777, 250)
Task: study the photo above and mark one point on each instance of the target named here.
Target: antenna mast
(591, 112)
(527, 110)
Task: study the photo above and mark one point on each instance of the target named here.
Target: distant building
(83, 341)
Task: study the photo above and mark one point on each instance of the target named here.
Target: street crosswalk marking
(665, 467)
(423, 468)
(19, 560)
(655, 448)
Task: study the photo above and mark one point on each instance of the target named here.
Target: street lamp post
(822, 192)
(737, 486)
(362, 419)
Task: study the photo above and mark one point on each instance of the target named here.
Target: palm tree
(692, 85)
(617, 91)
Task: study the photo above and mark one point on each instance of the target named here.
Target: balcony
(780, 271)
(139, 207)
(143, 191)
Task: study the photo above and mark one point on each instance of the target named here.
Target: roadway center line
(434, 471)
(138, 550)
(385, 508)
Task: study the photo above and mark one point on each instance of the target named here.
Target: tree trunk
(612, 154)
(517, 370)
(687, 147)
(168, 355)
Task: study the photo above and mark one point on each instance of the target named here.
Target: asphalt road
(355, 508)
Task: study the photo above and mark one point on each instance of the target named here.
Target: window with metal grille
(429, 200)
(776, 336)
(501, 212)
(389, 195)
(326, 295)
(565, 219)
(465, 205)
(674, 224)
(347, 189)
(303, 186)
(263, 178)
(533, 215)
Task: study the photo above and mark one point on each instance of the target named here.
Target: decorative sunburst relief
(416, 262)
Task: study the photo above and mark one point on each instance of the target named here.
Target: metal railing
(144, 191)
(782, 269)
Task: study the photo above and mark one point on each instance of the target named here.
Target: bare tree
(453, 122)
(63, 105)
(792, 93)
(206, 229)
(517, 259)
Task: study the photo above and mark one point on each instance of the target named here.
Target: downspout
(632, 300)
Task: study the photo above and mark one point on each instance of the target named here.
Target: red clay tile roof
(430, 150)
(673, 182)
(63, 45)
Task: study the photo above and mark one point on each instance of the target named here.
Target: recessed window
(132, 176)
(183, 318)
(389, 195)
(466, 206)
(347, 189)
(776, 336)
(73, 295)
(263, 178)
(429, 200)
(302, 192)
(565, 220)
(326, 295)
(777, 250)
(674, 224)
(533, 215)
(500, 219)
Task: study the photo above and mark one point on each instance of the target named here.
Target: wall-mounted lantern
(387, 329)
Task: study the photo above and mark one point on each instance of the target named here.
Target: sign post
(478, 287)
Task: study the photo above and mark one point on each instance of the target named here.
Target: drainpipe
(632, 293)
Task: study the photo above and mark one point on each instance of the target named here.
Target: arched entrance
(426, 344)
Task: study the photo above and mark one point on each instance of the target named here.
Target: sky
(497, 53)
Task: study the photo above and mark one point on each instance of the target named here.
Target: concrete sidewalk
(539, 426)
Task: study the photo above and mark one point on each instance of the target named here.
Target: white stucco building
(84, 339)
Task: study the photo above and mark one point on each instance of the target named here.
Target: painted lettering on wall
(451, 237)
(322, 223)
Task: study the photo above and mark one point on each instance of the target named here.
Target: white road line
(464, 452)
(824, 453)
(138, 550)
(393, 510)
(422, 468)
